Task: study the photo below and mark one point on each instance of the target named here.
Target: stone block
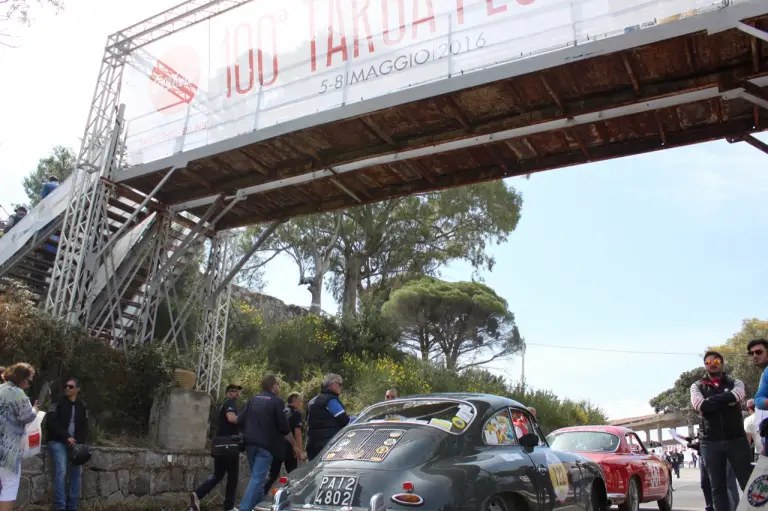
(190, 480)
(153, 460)
(90, 484)
(107, 483)
(124, 480)
(25, 491)
(40, 487)
(177, 479)
(32, 466)
(179, 420)
(182, 460)
(140, 483)
(196, 462)
(115, 498)
(110, 460)
(161, 482)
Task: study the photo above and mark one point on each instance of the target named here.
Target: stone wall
(273, 310)
(147, 478)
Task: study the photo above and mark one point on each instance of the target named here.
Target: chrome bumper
(281, 502)
(617, 498)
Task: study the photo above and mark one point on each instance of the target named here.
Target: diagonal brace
(753, 31)
(756, 143)
(239, 266)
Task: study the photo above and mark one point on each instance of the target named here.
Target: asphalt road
(688, 496)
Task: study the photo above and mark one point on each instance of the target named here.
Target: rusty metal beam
(660, 126)
(631, 73)
(463, 177)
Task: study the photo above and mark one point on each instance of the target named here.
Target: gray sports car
(446, 452)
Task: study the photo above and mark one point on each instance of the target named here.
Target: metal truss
(72, 271)
(212, 335)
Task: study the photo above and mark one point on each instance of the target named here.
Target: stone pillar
(658, 431)
(647, 435)
(179, 420)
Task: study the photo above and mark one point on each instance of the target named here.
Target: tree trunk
(351, 280)
(316, 290)
(424, 345)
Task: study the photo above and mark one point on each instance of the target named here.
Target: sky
(662, 254)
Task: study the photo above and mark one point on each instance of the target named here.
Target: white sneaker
(195, 502)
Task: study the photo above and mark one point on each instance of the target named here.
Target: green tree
(465, 323)
(416, 235)
(311, 241)
(60, 163)
(678, 398)
(734, 350)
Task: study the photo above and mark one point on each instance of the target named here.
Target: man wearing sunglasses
(66, 425)
(717, 397)
(757, 350)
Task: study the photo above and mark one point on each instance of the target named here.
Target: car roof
(492, 400)
(615, 430)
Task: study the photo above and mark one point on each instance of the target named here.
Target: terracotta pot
(185, 379)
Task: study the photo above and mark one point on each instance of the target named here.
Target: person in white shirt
(752, 427)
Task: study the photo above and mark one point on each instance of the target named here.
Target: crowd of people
(269, 431)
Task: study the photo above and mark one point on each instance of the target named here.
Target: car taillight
(283, 480)
(407, 499)
(408, 486)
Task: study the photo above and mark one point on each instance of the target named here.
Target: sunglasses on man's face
(69, 387)
(715, 362)
(756, 353)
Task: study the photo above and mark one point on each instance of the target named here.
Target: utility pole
(522, 378)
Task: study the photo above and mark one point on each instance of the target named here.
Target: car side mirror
(529, 441)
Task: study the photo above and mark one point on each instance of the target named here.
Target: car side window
(498, 430)
(635, 445)
(523, 424)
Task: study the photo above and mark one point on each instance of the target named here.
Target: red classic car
(632, 474)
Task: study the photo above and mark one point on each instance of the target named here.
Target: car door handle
(543, 469)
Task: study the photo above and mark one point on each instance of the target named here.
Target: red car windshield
(584, 441)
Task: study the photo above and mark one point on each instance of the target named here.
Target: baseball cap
(232, 387)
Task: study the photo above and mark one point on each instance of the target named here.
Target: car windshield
(584, 441)
(451, 416)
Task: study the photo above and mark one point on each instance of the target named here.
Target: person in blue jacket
(51, 185)
(757, 349)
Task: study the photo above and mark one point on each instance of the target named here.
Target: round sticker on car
(559, 477)
(757, 493)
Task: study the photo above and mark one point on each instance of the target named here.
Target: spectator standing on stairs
(19, 213)
(51, 185)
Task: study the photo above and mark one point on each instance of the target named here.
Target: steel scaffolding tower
(125, 311)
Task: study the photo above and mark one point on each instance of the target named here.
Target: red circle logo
(174, 80)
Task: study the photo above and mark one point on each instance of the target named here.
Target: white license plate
(336, 491)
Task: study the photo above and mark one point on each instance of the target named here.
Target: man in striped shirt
(717, 397)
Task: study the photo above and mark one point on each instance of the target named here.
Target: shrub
(118, 388)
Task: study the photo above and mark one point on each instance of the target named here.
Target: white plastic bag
(33, 437)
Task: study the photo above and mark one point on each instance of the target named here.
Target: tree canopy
(60, 163)
(737, 364)
(465, 324)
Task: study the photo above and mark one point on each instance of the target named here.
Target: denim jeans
(716, 456)
(706, 488)
(259, 460)
(63, 497)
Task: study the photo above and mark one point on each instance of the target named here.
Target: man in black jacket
(223, 464)
(717, 398)
(66, 425)
(264, 426)
(326, 415)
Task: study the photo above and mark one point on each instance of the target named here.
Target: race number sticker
(654, 471)
(559, 477)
